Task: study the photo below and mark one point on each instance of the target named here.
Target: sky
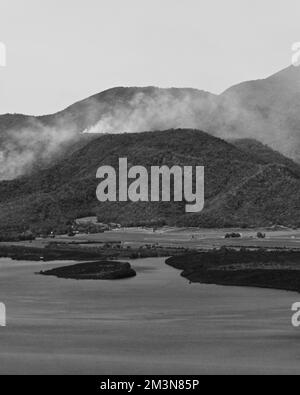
(62, 51)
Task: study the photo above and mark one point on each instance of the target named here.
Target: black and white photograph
(149, 190)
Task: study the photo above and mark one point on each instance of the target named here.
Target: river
(155, 323)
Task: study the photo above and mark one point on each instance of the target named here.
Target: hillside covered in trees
(245, 184)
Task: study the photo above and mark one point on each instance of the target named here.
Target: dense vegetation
(267, 110)
(242, 187)
(259, 268)
(74, 252)
(102, 270)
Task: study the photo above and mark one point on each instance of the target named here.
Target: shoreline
(55, 252)
(229, 266)
(92, 325)
(244, 268)
(100, 270)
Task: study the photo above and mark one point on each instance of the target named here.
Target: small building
(233, 236)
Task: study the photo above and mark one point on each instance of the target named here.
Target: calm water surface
(155, 323)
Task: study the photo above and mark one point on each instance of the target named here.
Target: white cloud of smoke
(267, 119)
(35, 143)
(157, 109)
(31, 146)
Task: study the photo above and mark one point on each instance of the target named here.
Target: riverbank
(266, 267)
(259, 268)
(54, 251)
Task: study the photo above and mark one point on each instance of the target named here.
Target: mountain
(266, 110)
(242, 188)
(28, 143)
(263, 153)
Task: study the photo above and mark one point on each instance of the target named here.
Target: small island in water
(263, 268)
(101, 270)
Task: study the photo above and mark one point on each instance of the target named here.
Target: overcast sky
(61, 51)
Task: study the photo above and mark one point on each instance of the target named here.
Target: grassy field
(187, 238)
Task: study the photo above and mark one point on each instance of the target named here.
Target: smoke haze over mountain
(267, 110)
(27, 143)
(151, 109)
(32, 145)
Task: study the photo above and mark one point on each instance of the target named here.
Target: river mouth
(155, 323)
